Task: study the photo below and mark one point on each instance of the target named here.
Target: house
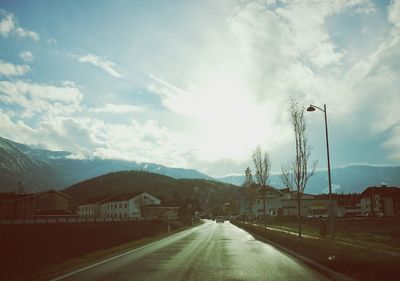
(29, 205)
(381, 201)
(90, 209)
(128, 206)
(8, 204)
(348, 205)
(283, 202)
(166, 213)
(273, 203)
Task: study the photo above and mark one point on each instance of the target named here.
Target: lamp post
(310, 109)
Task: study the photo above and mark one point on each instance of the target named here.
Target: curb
(333, 275)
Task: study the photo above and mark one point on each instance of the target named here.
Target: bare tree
(262, 164)
(296, 173)
(250, 190)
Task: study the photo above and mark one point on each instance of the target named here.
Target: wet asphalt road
(211, 251)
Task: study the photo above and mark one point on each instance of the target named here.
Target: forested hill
(202, 194)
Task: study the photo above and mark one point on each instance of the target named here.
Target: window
(120, 205)
(126, 205)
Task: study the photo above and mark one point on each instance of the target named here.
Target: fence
(63, 220)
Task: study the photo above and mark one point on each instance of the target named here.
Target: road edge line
(71, 273)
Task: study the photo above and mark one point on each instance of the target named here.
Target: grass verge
(68, 265)
(352, 261)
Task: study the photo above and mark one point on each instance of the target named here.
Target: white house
(283, 202)
(128, 206)
(91, 209)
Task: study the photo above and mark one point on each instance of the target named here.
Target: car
(220, 219)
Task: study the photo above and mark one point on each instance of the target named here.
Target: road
(211, 251)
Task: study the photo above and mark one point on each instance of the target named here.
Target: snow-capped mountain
(40, 169)
(350, 179)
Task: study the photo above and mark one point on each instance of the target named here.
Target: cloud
(35, 98)
(8, 25)
(394, 15)
(51, 41)
(106, 65)
(9, 69)
(91, 137)
(21, 32)
(117, 109)
(26, 56)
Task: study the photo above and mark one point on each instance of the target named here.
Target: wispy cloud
(9, 69)
(27, 56)
(117, 109)
(8, 25)
(105, 64)
(21, 32)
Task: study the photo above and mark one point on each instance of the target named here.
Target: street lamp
(312, 108)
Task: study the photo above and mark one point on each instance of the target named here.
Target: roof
(339, 197)
(124, 197)
(11, 196)
(270, 188)
(95, 200)
(52, 191)
(161, 206)
(382, 190)
(52, 213)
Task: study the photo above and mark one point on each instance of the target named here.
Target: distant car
(220, 219)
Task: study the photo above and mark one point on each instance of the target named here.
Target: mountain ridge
(59, 171)
(40, 169)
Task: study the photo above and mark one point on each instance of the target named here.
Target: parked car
(220, 219)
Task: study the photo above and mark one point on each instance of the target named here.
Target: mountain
(16, 166)
(40, 169)
(201, 193)
(350, 179)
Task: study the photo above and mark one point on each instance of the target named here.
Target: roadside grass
(359, 263)
(40, 252)
(378, 234)
(88, 259)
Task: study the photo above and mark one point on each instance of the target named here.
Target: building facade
(25, 206)
(381, 201)
(128, 206)
(284, 203)
(91, 209)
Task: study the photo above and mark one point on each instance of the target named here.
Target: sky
(199, 84)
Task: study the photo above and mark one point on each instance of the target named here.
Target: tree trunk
(251, 212)
(299, 213)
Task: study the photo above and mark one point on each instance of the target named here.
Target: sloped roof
(125, 197)
(20, 196)
(95, 200)
(52, 191)
(52, 212)
(382, 190)
(13, 196)
(161, 206)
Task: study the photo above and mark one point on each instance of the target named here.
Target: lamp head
(311, 108)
